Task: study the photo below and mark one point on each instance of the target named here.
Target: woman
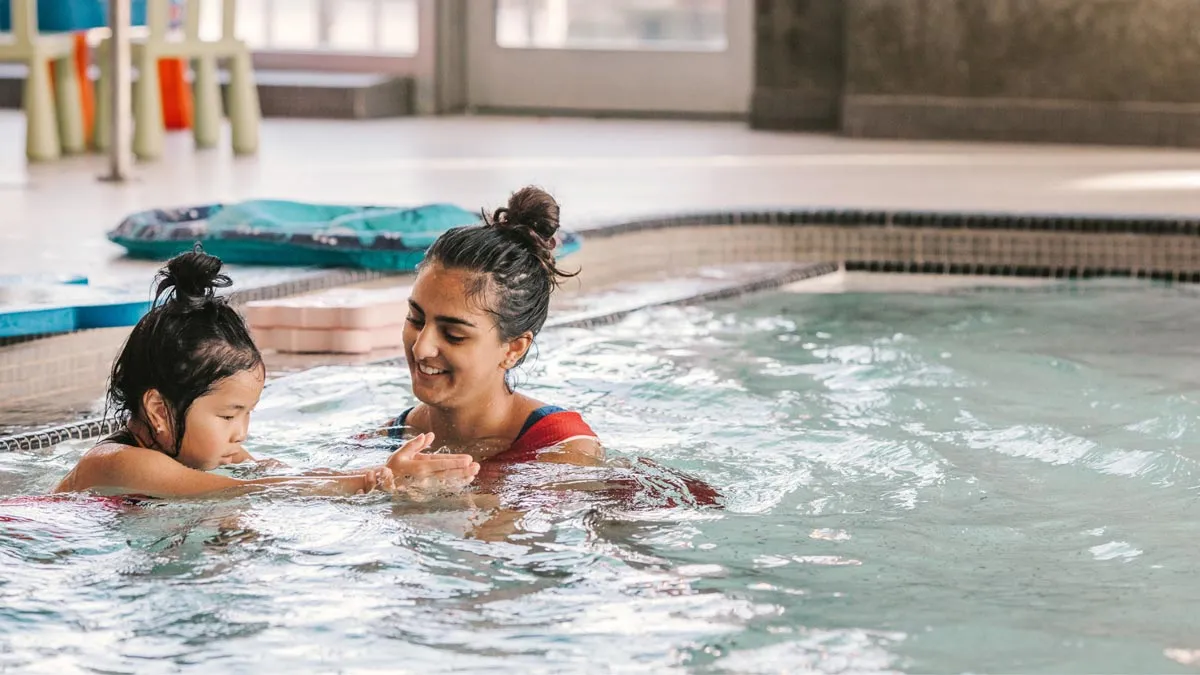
(481, 296)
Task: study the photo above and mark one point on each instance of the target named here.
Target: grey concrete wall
(1086, 50)
(450, 64)
(1090, 71)
(798, 64)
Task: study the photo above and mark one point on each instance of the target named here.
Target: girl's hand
(378, 478)
(271, 464)
(413, 468)
(243, 456)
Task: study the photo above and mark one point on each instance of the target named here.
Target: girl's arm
(133, 470)
(140, 471)
(245, 456)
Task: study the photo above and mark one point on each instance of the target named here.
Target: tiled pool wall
(924, 242)
(75, 366)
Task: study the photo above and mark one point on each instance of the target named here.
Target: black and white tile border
(793, 274)
(1019, 222)
(48, 438)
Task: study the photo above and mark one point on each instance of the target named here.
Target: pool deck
(53, 217)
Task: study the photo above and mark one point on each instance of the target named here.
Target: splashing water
(974, 481)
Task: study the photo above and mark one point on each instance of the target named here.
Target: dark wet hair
(513, 254)
(189, 340)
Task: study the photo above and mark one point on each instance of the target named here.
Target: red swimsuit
(544, 428)
(549, 426)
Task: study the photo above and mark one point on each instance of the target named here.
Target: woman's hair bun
(532, 217)
(190, 280)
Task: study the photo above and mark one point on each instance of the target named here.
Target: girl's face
(217, 422)
(454, 350)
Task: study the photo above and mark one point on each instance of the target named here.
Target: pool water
(974, 481)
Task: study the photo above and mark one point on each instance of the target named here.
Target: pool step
(297, 94)
(334, 95)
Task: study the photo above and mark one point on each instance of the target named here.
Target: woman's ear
(157, 412)
(517, 348)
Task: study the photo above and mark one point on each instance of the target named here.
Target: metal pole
(377, 20)
(325, 19)
(268, 19)
(120, 66)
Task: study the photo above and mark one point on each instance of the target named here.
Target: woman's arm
(505, 522)
(581, 451)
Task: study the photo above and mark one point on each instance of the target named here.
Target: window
(663, 25)
(349, 26)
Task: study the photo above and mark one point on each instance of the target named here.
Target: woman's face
(455, 352)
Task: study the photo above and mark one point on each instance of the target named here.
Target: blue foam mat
(76, 313)
(43, 320)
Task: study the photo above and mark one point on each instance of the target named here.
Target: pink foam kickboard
(339, 308)
(338, 341)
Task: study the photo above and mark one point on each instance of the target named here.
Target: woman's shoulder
(536, 411)
(546, 425)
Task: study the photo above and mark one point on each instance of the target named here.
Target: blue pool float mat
(301, 234)
(255, 232)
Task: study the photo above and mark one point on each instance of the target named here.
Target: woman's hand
(412, 467)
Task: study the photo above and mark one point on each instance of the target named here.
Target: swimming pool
(983, 480)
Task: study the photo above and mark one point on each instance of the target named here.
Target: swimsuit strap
(546, 427)
(395, 429)
(553, 425)
(123, 436)
(535, 417)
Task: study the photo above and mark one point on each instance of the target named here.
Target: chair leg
(69, 104)
(244, 110)
(149, 128)
(102, 128)
(206, 90)
(41, 127)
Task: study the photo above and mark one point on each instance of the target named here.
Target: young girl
(186, 381)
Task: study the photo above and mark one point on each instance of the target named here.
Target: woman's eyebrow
(454, 320)
(443, 319)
